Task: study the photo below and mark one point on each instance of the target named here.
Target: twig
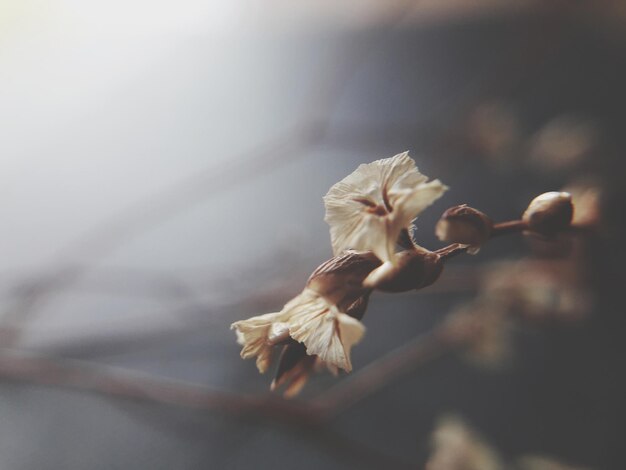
(123, 383)
(451, 251)
(506, 228)
(305, 418)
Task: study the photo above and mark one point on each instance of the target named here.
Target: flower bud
(549, 213)
(466, 225)
(414, 269)
(340, 279)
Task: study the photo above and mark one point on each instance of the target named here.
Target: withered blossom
(370, 213)
(324, 318)
(369, 208)
(325, 331)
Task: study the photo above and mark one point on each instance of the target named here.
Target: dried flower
(323, 329)
(308, 318)
(466, 225)
(549, 213)
(369, 208)
(324, 317)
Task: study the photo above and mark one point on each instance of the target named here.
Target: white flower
(309, 319)
(369, 208)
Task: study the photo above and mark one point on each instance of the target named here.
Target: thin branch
(506, 228)
(451, 251)
(305, 418)
(124, 383)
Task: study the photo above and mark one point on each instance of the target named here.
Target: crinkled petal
(409, 203)
(368, 209)
(324, 330)
(368, 233)
(253, 335)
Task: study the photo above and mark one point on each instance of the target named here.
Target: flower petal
(409, 203)
(368, 209)
(324, 330)
(252, 334)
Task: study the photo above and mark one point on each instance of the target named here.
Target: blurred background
(162, 166)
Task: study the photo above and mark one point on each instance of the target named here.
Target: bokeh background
(162, 166)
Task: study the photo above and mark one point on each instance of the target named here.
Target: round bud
(464, 224)
(549, 213)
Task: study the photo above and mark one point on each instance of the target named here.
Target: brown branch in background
(306, 418)
(383, 371)
(127, 384)
(123, 383)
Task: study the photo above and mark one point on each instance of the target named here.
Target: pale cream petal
(400, 172)
(326, 332)
(348, 222)
(252, 334)
(279, 331)
(373, 233)
(351, 331)
(408, 204)
(369, 179)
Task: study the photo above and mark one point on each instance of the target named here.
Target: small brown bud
(466, 225)
(414, 269)
(340, 279)
(549, 213)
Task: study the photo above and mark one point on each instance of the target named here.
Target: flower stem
(505, 228)
(451, 250)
